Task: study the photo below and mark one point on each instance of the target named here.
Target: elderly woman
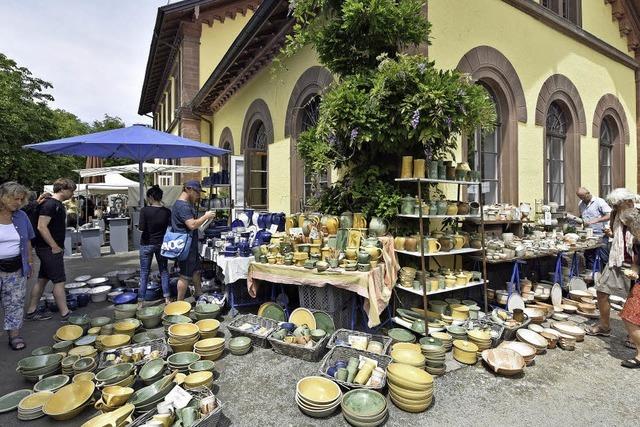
(16, 259)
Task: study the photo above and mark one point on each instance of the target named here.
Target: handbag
(175, 245)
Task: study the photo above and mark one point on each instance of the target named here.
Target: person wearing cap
(625, 226)
(183, 220)
(595, 214)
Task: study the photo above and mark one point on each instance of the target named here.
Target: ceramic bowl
(62, 346)
(143, 337)
(52, 384)
(183, 359)
(209, 326)
(117, 417)
(153, 392)
(114, 341)
(318, 334)
(177, 308)
(318, 390)
(410, 374)
(100, 321)
(147, 312)
(363, 404)
(175, 319)
(152, 369)
(201, 365)
(114, 373)
(207, 308)
(32, 364)
(69, 400)
(114, 396)
(184, 330)
(198, 378)
(41, 351)
(408, 356)
(69, 333)
(239, 342)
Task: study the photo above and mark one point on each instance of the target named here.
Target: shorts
(190, 266)
(51, 265)
(613, 282)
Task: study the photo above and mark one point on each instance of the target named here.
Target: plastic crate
(335, 301)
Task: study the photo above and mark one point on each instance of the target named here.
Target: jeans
(590, 256)
(146, 258)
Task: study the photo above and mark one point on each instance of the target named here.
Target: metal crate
(335, 301)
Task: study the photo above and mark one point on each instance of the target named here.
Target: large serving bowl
(126, 327)
(115, 373)
(100, 321)
(117, 417)
(177, 308)
(408, 356)
(208, 327)
(364, 407)
(184, 331)
(199, 379)
(152, 393)
(62, 346)
(69, 333)
(33, 364)
(69, 401)
(504, 361)
(206, 311)
(114, 396)
(152, 371)
(201, 365)
(41, 351)
(142, 337)
(240, 345)
(51, 384)
(318, 390)
(115, 341)
(182, 360)
(124, 311)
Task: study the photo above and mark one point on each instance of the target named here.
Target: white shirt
(9, 241)
(596, 208)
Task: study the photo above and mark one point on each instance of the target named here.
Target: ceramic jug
(461, 171)
(410, 244)
(330, 223)
(374, 252)
(463, 208)
(433, 207)
(432, 245)
(450, 280)
(346, 219)
(458, 241)
(446, 243)
(351, 253)
(407, 204)
(398, 243)
(452, 208)
(442, 207)
(290, 222)
(377, 226)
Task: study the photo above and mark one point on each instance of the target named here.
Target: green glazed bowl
(33, 363)
(114, 373)
(207, 308)
(79, 319)
(51, 384)
(100, 321)
(363, 403)
(151, 393)
(175, 318)
(152, 369)
(402, 335)
(41, 351)
(142, 337)
(84, 363)
(184, 358)
(63, 346)
(202, 365)
(149, 312)
(239, 342)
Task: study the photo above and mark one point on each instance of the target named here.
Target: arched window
(313, 183)
(224, 160)
(256, 154)
(488, 145)
(556, 134)
(607, 138)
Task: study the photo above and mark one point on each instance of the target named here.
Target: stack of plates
(504, 361)
(208, 328)
(409, 356)
(457, 332)
(115, 374)
(84, 364)
(534, 339)
(51, 384)
(68, 333)
(525, 350)
(465, 352)
(364, 407)
(240, 345)
(30, 408)
(210, 348)
(410, 388)
(207, 311)
(401, 335)
(34, 368)
(198, 379)
(69, 401)
(434, 354)
(318, 397)
(181, 361)
(482, 339)
(569, 329)
(174, 319)
(10, 401)
(567, 342)
(67, 364)
(183, 336)
(447, 340)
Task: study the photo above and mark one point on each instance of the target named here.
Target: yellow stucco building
(562, 73)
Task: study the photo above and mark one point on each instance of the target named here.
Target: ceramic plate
(515, 301)
(9, 401)
(556, 295)
(530, 337)
(402, 335)
(302, 316)
(325, 322)
(577, 284)
(274, 312)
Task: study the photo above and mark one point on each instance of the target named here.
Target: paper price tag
(178, 397)
(294, 231)
(273, 229)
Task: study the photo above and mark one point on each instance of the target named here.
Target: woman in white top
(16, 259)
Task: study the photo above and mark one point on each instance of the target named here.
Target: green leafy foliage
(26, 118)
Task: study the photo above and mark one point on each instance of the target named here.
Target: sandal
(631, 363)
(17, 343)
(596, 330)
(629, 344)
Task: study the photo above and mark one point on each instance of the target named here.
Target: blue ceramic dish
(125, 298)
(83, 299)
(288, 326)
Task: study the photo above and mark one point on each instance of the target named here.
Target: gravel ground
(585, 386)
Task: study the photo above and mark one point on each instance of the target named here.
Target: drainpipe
(210, 157)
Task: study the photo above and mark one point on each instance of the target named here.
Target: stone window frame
(609, 107)
(314, 81)
(226, 142)
(560, 89)
(257, 111)
(488, 66)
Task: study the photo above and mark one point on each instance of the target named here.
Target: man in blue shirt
(595, 213)
(183, 220)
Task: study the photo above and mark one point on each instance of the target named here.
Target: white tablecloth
(234, 268)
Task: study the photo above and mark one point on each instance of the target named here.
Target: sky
(93, 52)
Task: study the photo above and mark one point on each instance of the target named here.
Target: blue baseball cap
(193, 184)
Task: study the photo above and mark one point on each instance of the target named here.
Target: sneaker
(38, 315)
(66, 316)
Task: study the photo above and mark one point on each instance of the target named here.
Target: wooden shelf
(441, 291)
(451, 252)
(438, 181)
(439, 216)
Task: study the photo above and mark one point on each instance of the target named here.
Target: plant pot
(452, 208)
(446, 243)
(474, 208)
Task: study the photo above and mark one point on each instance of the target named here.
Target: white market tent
(134, 168)
(114, 183)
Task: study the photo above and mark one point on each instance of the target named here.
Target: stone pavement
(583, 387)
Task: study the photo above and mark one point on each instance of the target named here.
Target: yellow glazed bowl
(115, 418)
(35, 400)
(113, 341)
(406, 346)
(116, 396)
(198, 378)
(125, 328)
(177, 307)
(410, 394)
(410, 373)
(459, 312)
(66, 402)
(465, 352)
(83, 351)
(94, 331)
(318, 390)
(209, 344)
(409, 357)
(208, 325)
(69, 332)
(84, 376)
(183, 330)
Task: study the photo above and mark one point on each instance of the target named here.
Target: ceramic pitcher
(432, 245)
(377, 226)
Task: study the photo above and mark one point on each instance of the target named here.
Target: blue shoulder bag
(175, 245)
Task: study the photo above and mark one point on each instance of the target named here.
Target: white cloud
(93, 52)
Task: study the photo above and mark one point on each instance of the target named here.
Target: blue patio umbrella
(137, 142)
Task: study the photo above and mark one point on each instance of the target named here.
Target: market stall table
(369, 285)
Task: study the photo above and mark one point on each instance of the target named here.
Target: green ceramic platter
(324, 321)
(274, 312)
(9, 401)
(401, 335)
(408, 314)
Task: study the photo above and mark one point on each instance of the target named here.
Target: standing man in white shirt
(595, 213)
